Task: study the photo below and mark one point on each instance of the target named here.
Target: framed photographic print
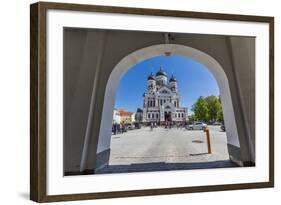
(135, 102)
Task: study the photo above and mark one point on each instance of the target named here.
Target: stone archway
(157, 50)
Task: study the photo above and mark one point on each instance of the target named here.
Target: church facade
(162, 100)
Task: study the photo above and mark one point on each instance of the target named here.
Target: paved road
(162, 149)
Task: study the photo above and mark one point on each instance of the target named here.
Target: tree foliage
(208, 109)
(220, 115)
(214, 106)
(200, 109)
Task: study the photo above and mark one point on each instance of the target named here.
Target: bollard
(208, 140)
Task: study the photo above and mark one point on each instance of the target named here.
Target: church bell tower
(151, 83)
(173, 84)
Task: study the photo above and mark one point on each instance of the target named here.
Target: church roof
(161, 72)
(123, 112)
(151, 77)
(173, 79)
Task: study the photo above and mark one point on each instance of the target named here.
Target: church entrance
(168, 116)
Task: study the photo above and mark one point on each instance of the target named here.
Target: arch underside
(103, 148)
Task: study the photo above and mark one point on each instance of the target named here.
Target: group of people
(152, 125)
(118, 128)
(168, 125)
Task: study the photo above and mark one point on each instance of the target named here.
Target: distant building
(133, 117)
(116, 116)
(125, 116)
(138, 115)
(161, 102)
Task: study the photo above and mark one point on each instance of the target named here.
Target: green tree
(220, 115)
(200, 109)
(214, 106)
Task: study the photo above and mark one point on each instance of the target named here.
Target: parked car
(130, 126)
(217, 123)
(223, 127)
(197, 126)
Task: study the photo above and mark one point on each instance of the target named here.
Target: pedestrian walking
(115, 128)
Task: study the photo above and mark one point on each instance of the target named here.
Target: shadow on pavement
(162, 166)
(198, 154)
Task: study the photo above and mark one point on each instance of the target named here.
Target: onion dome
(161, 72)
(151, 77)
(173, 79)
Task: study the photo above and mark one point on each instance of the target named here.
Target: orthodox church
(162, 100)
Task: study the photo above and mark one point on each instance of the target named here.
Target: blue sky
(193, 78)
